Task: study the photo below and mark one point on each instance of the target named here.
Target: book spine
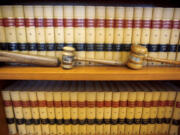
(114, 129)
(2, 33)
(68, 25)
(35, 112)
(51, 112)
(99, 129)
(9, 112)
(146, 28)
(49, 30)
(75, 129)
(58, 30)
(127, 38)
(67, 129)
(42, 103)
(27, 112)
(79, 33)
(40, 32)
(166, 28)
(178, 52)
(90, 33)
(30, 29)
(66, 107)
(153, 47)
(107, 129)
(100, 32)
(74, 107)
(91, 129)
(20, 29)
(118, 33)
(109, 32)
(17, 106)
(82, 129)
(9, 27)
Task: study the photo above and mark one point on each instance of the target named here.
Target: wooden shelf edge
(89, 73)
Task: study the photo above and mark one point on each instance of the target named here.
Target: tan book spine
(58, 30)
(30, 29)
(114, 129)
(82, 129)
(20, 29)
(3, 45)
(79, 33)
(49, 30)
(109, 32)
(40, 30)
(9, 112)
(155, 34)
(90, 33)
(127, 38)
(107, 129)
(100, 32)
(178, 52)
(118, 33)
(99, 129)
(91, 129)
(68, 25)
(75, 129)
(67, 129)
(9, 27)
(165, 35)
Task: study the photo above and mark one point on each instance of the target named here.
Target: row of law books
(96, 32)
(92, 108)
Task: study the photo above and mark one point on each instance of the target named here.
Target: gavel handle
(162, 60)
(107, 62)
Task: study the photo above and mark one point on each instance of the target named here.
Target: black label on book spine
(167, 120)
(178, 48)
(50, 47)
(107, 47)
(22, 47)
(176, 122)
(81, 122)
(36, 121)
(59, 46)
(114, 121)
(28, 121)
(12, 46)
(145, 45)
(145, 121)
(153, 121)
(122, 121)
(126, 47)
(74, 121)
(90, 121)
(3, 46)
(79, 47)
(10, 120)
(129, 121)
(107, 121)
(153, 48)
(172, 48)
(117, 47)
(69, 44)
(89, 47)
(20, 121)
(41, 47)
(32, 46)
(99, 47)
(67, 121)
(99, 121)
(44, 121)
(160, 121)
(59, 121)
(137, 121)
(163, 48)
(52, 121)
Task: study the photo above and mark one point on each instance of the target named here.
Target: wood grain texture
(89, 73)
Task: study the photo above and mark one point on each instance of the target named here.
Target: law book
(42, 103)
(146, 28)
(107, 129)
(118, 33)
(137, 25)
(99, 129)
(23, 92)
(49, 30)
(90, 33)
(75, 129)
(50, 108)
(178, 52)
(8, 107)
(79, 33)
(30, 29)
(81, 98)
(127, 35)
(174, 38)
(174, 128)
(20, 28)
(109, 32)
(9, 28)
(153, 46)
(165, 34)
(68, 25)
(18, 109)
(90, 102)
(90, 129)
(35, 108)
(114, 129)
(99, 32)
(3, 45)
(82, 129)
(67, 129)
(40, 30)
(99, 102)
(58, 30)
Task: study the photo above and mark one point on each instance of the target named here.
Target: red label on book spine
(177, 104)
(176, 24)
(99, 103)
(39, 22)
(99, 23)
(17, 104)
(48, 22)
(58, 22)
(81, 104)
(8, 22)
(29, 22)
(166, 24)
(25, 104)
(131, 104)
(34, 103)
(19, 22)
(109, 23)
(146, 24)
(137, 23)
(1, 22)
(57, 104)
(42, 103)
(7, 103)
(66, 103)
(115, 104)
(49, 103)
(107, 103)
(74, 104)
(118, 23)
(147, 104)
(170, 103)
(79, 23)
(128, 23)
(139, 103)
(68, 22)
(123, 103)
(162, 103)
(89, 23)
(154, 103)
(91, 104)
(156, 24)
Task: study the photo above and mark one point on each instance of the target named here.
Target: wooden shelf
(89, 73)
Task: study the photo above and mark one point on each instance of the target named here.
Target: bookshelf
(8, 73)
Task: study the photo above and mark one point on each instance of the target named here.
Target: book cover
(3, 45)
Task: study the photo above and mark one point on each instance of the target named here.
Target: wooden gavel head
(136, 57)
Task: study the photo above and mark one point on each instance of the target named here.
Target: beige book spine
(91, 129)
(127, 38)
(49, 30)
(75, 129)
(109, 32)
(2, 33)
(20, 29)
(155, 34)
(114, 129)
(9, 112)
(99, 129)
(30, 29)
(82, 129)
(79, 33)
(107, 129)
(67, 129)
(178, 52)
(40, 30)
(10, 30)
(118, 33)
(58, 30)
(90, 33)
(100, 32)
(74, 105)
